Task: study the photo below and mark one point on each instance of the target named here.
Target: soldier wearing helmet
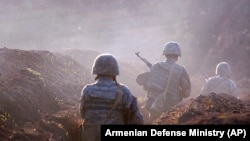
(106, 101)
(221, 82)
(168, 83)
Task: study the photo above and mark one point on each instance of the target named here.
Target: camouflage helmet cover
(105, 64)
(223, 69)
(172, 47)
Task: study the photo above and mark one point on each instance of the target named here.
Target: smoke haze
(204, 29)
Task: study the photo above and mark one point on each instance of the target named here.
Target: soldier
(221, 82)
(106, 101)
(167, 82)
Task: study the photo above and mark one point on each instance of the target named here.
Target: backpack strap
(117, 100)
(169, 77)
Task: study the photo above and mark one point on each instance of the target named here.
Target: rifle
(205, 76)
(144, 60)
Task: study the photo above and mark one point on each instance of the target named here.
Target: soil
(40, 93)
(211, 109)
(40, 90)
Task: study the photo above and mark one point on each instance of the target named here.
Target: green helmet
(105, 64)
(223, 69)
(172, 47)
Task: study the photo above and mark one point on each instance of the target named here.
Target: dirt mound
(126, 76)
(40, 94)
(210, 109)
(36, 86)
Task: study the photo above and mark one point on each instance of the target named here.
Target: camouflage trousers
(157, 105)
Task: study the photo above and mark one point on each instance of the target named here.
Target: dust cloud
(208, 31)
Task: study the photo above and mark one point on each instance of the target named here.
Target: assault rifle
(144, 60)
(205, 76)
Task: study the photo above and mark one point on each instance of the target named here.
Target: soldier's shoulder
(212, 79)
(158, 63)
(181, 69)
(127, 95)
(125, 88)
(179, 66)
(233, 82)
(89, 86)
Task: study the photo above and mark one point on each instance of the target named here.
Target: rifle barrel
(144, 60)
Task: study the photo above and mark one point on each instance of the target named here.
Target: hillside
(213, 109)
(40, 97)
(40, 80)
(128, 69)
(40, 94)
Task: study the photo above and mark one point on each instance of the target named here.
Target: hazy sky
(124, 27)
(112, 25)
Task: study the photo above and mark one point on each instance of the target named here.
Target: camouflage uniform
(179, 85)
(98, 98)
(221, 83)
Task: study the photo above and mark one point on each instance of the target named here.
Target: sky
(123, 27)
(112, 25)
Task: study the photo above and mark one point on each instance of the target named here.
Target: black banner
(163, 132)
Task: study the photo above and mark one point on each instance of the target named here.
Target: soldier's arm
(185, 84)
(234, 90)
(136, 115)
(205, 90)
(132, 114)
(82, 101)
(127, 97)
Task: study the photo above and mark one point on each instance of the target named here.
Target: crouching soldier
(167, 83)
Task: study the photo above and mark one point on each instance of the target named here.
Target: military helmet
(172, 47)
(105, 64)
(223, 69)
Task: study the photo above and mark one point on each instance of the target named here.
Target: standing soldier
(106, 101)
(221, 83)
(167, 83)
